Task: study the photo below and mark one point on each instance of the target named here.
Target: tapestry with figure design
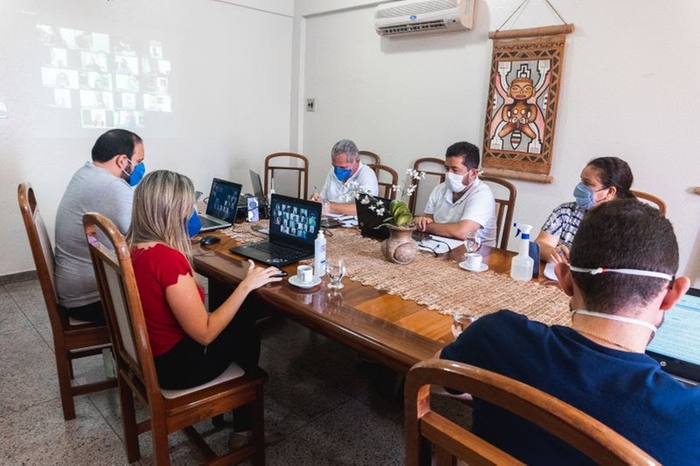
(524, 91)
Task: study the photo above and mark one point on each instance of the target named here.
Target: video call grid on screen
(111, 81)
(294, 221)
(223, 200)
(679, 336)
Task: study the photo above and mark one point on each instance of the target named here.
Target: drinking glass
(472, 242)
(336, 271)
(460, 321)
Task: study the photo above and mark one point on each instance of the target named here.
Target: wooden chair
(425, 427)
(368, 157)
(70, 340)
(504, 209)
(169, 410)
(657, 201)
(288, 162)
(383, 172)
(434, 170)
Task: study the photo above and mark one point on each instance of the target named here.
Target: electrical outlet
(310, 105)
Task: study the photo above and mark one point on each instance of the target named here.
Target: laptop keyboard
(206, 223)
(275, 250)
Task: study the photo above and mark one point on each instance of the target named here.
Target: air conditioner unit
(423, 16)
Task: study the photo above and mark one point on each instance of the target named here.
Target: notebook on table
(294, 225)
(368, 219)
(676, 344)
(222, 205)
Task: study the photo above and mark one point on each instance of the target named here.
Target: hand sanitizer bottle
(320, 255)
(521, 266)
(272, 191)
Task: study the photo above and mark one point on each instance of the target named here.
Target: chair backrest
(425, 427)
(121, 302)
(387, 179)
(292, 164)
(42, 252)
(505, 206)
(368, 157)
(651, 199)
(434, 170)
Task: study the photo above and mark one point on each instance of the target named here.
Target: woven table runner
(437, 283)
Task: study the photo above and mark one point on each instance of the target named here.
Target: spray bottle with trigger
(522, 265)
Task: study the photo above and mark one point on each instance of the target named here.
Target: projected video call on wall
(113, 83)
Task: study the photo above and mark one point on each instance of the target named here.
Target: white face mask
(454, 182)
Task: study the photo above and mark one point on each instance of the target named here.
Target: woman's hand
(256, 277)
(561, 254)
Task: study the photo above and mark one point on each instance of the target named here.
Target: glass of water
(460, 321)
(336, 269)
(472, 242)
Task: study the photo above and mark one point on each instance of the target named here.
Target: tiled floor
(331, 407)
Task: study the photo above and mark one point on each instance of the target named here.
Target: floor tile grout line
(20, 308)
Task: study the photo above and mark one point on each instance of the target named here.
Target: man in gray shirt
(104, 185)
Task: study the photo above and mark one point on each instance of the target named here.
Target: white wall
(627, 90)
(230, 82)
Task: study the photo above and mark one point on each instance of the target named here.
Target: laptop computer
(294, 225)
(258, 192)
(368, 219)
(676, 345)
(222, 205)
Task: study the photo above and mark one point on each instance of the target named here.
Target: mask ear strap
(642, 273)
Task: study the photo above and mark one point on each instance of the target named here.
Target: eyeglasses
(436, 246)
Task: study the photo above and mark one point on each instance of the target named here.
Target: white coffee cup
(474, 261)
(305, 273)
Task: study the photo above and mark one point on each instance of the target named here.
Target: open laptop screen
(294, 222)
(677, 343)
(257, 187)
(368, 217)
(223, 199)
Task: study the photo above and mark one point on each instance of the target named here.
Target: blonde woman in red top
(191, 346)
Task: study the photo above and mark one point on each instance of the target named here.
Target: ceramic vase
(399, 248)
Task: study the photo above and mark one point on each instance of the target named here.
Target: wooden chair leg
(259, 427)
(131, 435)
(161, 447)
(63, 370)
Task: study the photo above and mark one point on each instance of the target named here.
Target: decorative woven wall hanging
(524, 88)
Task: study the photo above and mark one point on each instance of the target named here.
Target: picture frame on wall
(521, 113)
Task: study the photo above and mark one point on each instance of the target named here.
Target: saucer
(294, 280)
(483, 267)
(549, 271)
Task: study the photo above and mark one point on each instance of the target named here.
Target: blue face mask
(342, 173)
(584, 196)
(193, 224)
(136, 174)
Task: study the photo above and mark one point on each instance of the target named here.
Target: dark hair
(468, 151)
(614, 171)
(623, 234)
(115, 142)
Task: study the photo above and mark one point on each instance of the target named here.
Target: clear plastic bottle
(521, 266)
(320, 255)
(272, 191)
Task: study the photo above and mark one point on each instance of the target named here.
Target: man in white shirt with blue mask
(347, 177)
(462, 204)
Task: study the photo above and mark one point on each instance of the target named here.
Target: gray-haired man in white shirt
(347, 176)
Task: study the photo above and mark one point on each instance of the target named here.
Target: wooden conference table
(393, 331)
